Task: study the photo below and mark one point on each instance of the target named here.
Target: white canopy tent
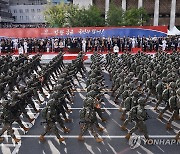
(173, 31)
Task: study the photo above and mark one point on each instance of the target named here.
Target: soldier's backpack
(133, 113)
(128, 103)
(166, 94)
(44, 112)
(149, 83)
(86, 114)
(159, 88)
(173, 102)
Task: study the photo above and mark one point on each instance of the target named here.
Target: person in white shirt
(164, 44)
(20, 48)
(84, 45)
(133, 42)
(115, 49)
(25, 46)
(15, 44)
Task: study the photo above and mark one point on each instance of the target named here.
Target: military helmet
(14, 95)
(54, 95)
(172, 85)
(141, 101)
(22, 88)
(164, 79)
(135, 93)
(178, 92)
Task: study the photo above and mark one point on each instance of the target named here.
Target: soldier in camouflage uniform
(138, 114)
(7, 120)
(174, 103)
(50, 116)
(167, 93)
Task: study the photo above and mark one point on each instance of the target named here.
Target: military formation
(140, 79)
(22, 83)
(61, 98)
(95, 87)
(137, 80)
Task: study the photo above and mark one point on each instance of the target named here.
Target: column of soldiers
(139, 79)
(92, 103)
(60, 100)
(20, 85)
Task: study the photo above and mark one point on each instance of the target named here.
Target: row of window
(25, 11)
(27, 18)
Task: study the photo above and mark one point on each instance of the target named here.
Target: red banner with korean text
(83, 32)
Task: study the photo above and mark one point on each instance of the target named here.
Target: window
(21, 17)
(38, 10)
(15, 11)
(33, 17)
(27, 10)
(32, 10)
(27, 18)
(21, 11)
(39, 17)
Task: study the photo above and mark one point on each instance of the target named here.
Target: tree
(135, 17)
(56, 15)
(94, 17)
(114, 16)
(70, 15)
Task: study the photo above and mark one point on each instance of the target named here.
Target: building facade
(5, 16)
(31, 11)
(161, 12)
(83, 3)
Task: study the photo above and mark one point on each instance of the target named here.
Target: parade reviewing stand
(88, 39)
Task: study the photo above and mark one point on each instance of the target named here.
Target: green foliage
(132, 17)
(114, 16)
(70, 15)
(135, 17)
(63, 15)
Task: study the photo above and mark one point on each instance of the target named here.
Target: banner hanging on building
(146, 31)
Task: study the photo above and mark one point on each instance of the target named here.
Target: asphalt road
(114, 141)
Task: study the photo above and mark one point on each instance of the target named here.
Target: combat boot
(120, 109)
(98, 140)
(177, 117)
(69, 110)
(41, 138)
(155, 108)
(100, 129)
(128, 136)
(168, 126)
(177, 137)
(116, 101)
(1, 139)
(25, 129)
(16, 140)
(66, 130)
(37, 111)
(122, 117)
(80, 138)
(160, 116)
(103, 119)
(61, 139)
(123, 128)
(68, 120)
(30, 120)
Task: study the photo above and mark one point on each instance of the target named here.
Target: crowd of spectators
(29, 45)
